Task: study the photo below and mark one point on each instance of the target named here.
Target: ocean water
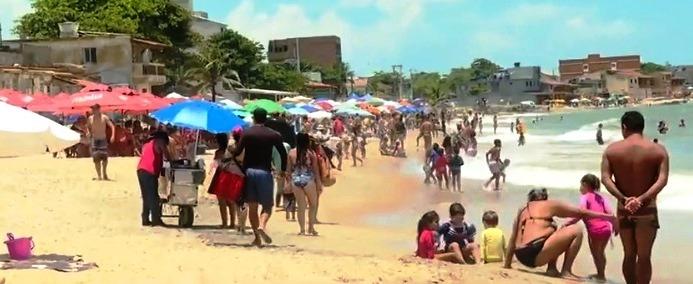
(559, 152)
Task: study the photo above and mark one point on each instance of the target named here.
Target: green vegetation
(651, 67)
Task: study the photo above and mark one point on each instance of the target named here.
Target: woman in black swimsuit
(536, 241)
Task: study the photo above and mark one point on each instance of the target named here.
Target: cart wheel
(186, 216)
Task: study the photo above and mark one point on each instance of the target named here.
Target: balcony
(151, 73)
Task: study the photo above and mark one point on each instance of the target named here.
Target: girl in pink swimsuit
(598, 230)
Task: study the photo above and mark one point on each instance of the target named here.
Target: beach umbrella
(174, 95)
(324, 105)
(376, 102)
(575, 101)
(269, 106)
(14, 98)
(310, 108)
(200, 115)
(87, 99)
(288, 100)
(298, 111)
(321, 114)
(23, 133)
(241, 113)
(392, 104)
(230, 104)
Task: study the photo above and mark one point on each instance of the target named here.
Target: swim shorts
(99, 147)
(259, 187)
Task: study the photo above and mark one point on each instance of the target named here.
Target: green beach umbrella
(269, 106)
(376, 101)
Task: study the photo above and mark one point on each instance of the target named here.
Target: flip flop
(265, 238)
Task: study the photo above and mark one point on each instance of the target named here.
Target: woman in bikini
(305, 181)
(536, 241)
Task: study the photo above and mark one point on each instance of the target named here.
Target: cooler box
(183, 195)
(184, 185)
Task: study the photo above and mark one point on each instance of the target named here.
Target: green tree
(432, 86)
(337, 76)
(459, 78)
(482, 68)
(651, 67)
(382, 83)
(153, 19)
(283, 77)
(239, 53)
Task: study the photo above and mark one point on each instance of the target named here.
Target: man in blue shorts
(258, 142)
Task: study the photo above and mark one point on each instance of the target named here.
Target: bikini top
(547, 219)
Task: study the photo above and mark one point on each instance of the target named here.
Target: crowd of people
(634, 171)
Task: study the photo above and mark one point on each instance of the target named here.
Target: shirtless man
(426, 131)
(634, 171)
(495, 123)
(96, 131)
(495, 165)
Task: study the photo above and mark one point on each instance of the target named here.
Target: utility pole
(397, 69)
(298, 56)
(411, 83)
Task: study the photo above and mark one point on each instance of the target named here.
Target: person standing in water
(495, 123)
(635, 170)
(600, 140)
(495, 164)
(97, 125)
(682, 123)
(426, 131)
(520, 128)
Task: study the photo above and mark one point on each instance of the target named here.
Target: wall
(320, 51)
(31, 82)
(206, 27)
(572, 68)
(113, 56)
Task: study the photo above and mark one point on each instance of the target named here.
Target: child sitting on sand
(598, 230)
(459, 236)
(492, 239)
(427, 239)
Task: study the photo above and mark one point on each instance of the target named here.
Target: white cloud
(375, 44)
(11, 11)
(580, 27)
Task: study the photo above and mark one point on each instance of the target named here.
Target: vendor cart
(184, 182)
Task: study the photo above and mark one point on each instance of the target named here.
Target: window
(526, 83)
(614, 66)
(90, 55)
(585, 68)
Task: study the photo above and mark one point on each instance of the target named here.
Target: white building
(201, 23)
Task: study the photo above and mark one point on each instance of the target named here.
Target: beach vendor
(97, 125)
(148, 171)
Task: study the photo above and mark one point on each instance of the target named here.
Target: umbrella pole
(197, 140)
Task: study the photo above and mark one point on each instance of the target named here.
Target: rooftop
(93, 34)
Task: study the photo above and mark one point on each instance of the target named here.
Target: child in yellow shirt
(492, 239)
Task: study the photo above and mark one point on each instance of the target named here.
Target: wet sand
(56, 202)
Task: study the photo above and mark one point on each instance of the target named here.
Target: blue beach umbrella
(310, 108)
(200, 115)
(297, 111)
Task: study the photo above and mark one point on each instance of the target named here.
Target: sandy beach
(56, 202)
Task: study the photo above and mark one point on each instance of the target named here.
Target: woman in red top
(148, 172)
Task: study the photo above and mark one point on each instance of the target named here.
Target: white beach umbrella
(575, 101)
(174, 95)
(321, 114)
(392, 104)
(24, 133)
(302, 99)
(230, 104)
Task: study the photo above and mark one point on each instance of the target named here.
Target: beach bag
(228, 180)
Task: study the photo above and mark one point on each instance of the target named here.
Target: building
(201, 23)
(516, 84)
(357, 85)
(115, 59)
(322, 51)
(572, 68)
(589, 85)
(684, 72)
(30, 80)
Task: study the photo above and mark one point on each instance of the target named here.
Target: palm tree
(214, 70)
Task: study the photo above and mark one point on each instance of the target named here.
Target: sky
(436, 35)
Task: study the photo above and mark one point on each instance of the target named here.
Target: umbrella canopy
(175, 95)
(230, 104)
(241, 113)
(575, 101)
(14, 98)
(297, 111)
(200, 115)
(324, 105)
(392, 104)
(376, 101)
(321, 114)
(310, 108)
(269, 106)
(23, 133)
(87, 99)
